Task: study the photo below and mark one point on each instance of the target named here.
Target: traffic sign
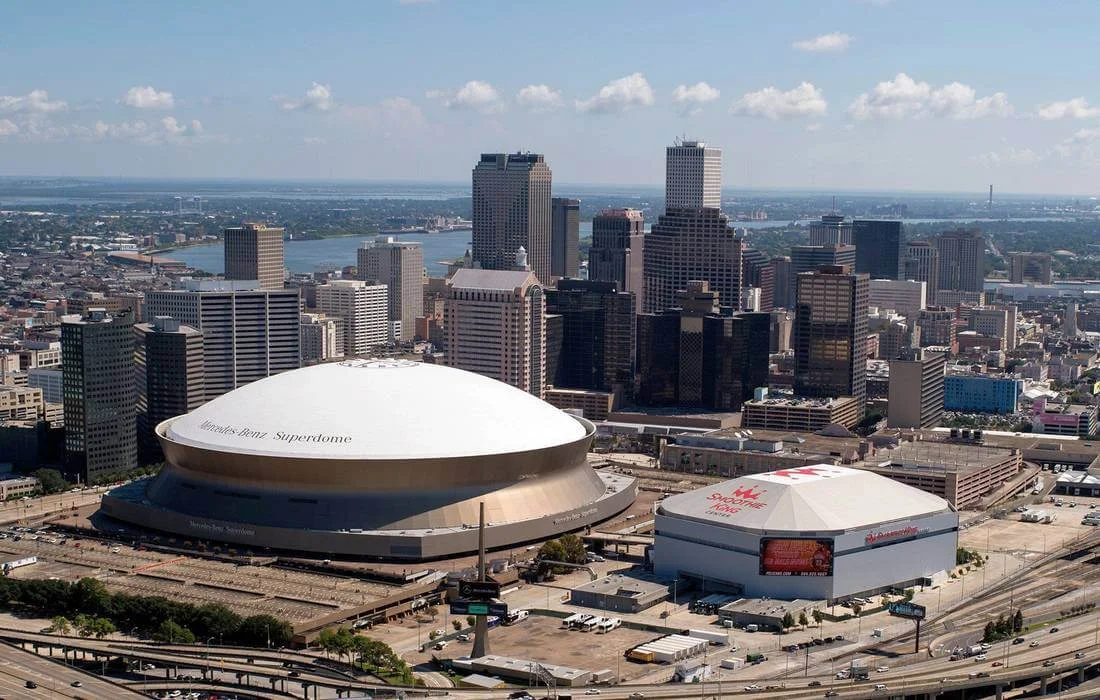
(479, 589)
(909, 610)
(479, 607)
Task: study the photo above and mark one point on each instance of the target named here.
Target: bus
(515, 616)
(492, 621)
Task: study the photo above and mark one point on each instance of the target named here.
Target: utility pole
(481, 622)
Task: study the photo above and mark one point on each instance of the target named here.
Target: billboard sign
(908, 610)
(795, 557)
(479, 607)
(478, 589)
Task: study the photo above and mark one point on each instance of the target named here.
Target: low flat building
(799, 413)
(623, 593)
(1077, 484)
(959, 473)
(764, 613)
(596, 405)
(523, 670)
(1062, 419)
(19, 486)
(19, 403)
(733, 452)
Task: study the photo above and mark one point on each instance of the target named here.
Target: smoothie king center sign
(726, 504)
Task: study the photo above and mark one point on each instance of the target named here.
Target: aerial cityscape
(348, 362)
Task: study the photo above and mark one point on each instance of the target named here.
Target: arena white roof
(376, 409)
(820, 498)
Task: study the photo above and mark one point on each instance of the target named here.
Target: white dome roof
(376, 409)
(821, 498)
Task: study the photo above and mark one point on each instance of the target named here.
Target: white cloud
(905, 97)
(539, 98)
(475, 94)
(834, 42)
(33, 101)
(148, 133)
(394, 112)
(8, 127)
(148, 97)
(629, 91)
(317, 98)
(1077, 108)
(813, 126)
(691, 98)
(1010, 156)
(772, 103)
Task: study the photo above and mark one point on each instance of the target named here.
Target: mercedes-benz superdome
(373, 458)
(819, 533)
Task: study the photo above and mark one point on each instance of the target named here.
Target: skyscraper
(878, 248)
(831, 230)
(494, 325)
(254, 251)
(400, 266)
(248, 333)
(916, 390)
(1029, 267)
(807, 258)
(97, 365)
(169, 377)
(597, 338)
(565, 237)
(364, 309)
(962, 260)
(618, 241)
(693, 176)
(692, 244)
(511, 209)
(922, 263)
(759, 273)
(321, 337)
(830, 334)
(783, 296)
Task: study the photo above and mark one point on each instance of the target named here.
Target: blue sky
(877, 94)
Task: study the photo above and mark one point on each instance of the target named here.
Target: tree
(787, 621)
(803, 621)
(909, 593)
(174, 633)
(470, 620)
(264, 630)
(574, 550)
(432, 635)
(990, 632)
(90, 596)
(818, 617)
(457, 624)
(52, 481)
(60, 625)
(215, 620)
(1018, 621)
(856, 609)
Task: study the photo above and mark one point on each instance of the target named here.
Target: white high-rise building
(494, 322)
(400, 266)
(904, 296)
(693, 176)
(363, 307)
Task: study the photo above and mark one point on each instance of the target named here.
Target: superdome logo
(726, 504)
(882, 535)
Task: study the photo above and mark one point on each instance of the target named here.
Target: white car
(979, 657)
(592, 691)
(752, 688)
(882, 669)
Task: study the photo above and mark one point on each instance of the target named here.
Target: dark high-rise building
(831, 230)
(830, 333)
(555, 338)
(169, 378)
(962, 260)
(565, 221)
(692, 244)
(1029, 267)
(807, 258)
(922, 263)
(97, 374)
(783, 295)
(760, 273)
(701, 354)
(597, 336)
(254, 251)
(618, 240)
(511, 209)
(878, 248)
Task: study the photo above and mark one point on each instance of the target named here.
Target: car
(982, 674)
(979, 658)
(815, 684)
(882, 669)
(1053, 630)
(463, 637)
(879, 687)
(294, 674)
(1019, 640)
(1033, 645)
(636, 696)
(521, 695)
(998, 663)
(1079, 655)
(76, 684)
(752, 688)
(1048, 662)
(985, 647)
(831, 693)
(30, 684)
(592, 691)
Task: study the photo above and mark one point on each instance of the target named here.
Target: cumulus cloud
(539, 98)
(35, 101)
(1077, 108)
(8, 127)
(148, 97)
(629, 91)
(691, 98)
(806, 100)
(834, 42)
(318, 98)
(905, 97)
(167, 130)
(475, 94)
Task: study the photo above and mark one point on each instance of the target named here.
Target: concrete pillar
(1081, 675)
(1043, 681)
(1000, 693)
